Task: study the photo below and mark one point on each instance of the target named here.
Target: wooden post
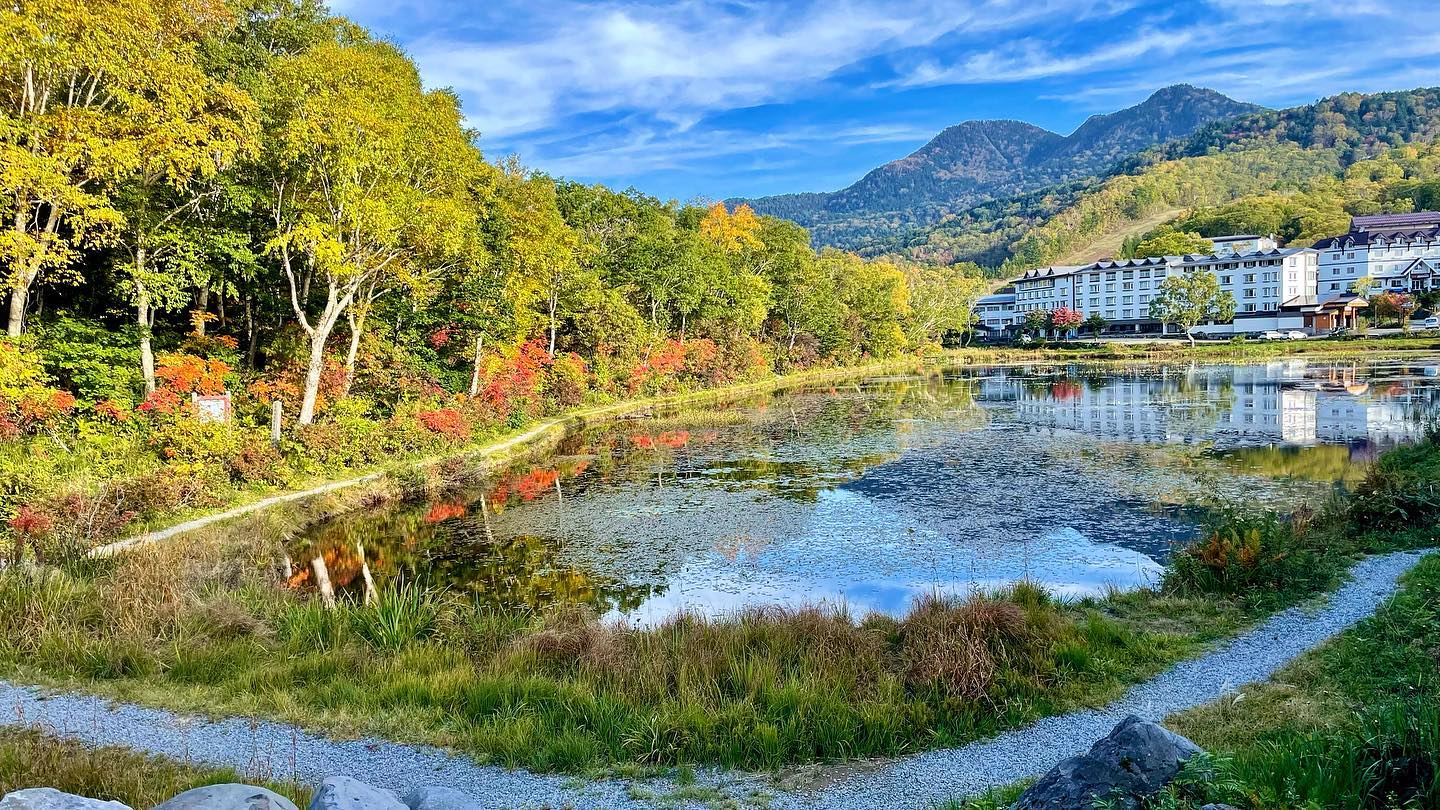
(275, 409)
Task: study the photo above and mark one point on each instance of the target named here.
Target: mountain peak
(974, 161)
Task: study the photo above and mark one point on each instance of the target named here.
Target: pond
(870, 493)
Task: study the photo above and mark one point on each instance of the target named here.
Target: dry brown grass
(958, 646)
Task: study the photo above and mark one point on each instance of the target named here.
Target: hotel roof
(1393, 221)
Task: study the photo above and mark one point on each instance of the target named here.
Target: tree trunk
(202, 307)
(145, 318)
(252, 334)
(19, 297)
(315, 369)
(357, 328)
(475, 373)
(554, 304)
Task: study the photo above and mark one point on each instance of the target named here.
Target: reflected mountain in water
(871, 494)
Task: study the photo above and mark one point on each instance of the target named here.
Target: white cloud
(685, 60)
(1028, 59)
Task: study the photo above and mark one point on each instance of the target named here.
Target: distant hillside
(1268, 151)
(977, 161)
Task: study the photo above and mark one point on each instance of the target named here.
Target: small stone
(1219, 807)
(52, 799)
(1135, 760)
(228, 797)
(344, 793)
(434, 797)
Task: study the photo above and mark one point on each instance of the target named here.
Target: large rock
(439, 798)
(228, 797)
(344, 793)
(1136, 760)
(52, 799)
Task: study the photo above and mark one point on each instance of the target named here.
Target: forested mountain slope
(981, 160)
(1269, 152)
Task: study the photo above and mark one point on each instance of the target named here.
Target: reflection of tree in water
(440, 545)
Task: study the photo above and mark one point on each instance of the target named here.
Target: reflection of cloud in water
(719, 550)
(879, 493)
(887, 565)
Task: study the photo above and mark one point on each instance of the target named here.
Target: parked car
(1431, 322)
(1295, 334)
(1271, 334)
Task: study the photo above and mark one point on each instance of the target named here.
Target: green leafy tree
(1190, 299)
(942, 300)
(369, 174)
(88, 92)
(1174, 243)
(1096, 323)
(1036, 321)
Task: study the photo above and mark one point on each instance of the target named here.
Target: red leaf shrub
(27, 403)
(446, 422)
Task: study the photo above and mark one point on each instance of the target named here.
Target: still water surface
(873, 492)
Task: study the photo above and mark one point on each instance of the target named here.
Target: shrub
(27, 403)
(568, 381)
(445, 422)
(1268, 558)
(1401, 491)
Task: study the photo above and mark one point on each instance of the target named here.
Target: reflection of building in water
(1276, 403)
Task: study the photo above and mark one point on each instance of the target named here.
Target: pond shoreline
(545, 435)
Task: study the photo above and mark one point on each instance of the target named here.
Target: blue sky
(717, 99)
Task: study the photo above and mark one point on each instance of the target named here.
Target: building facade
(1397, 252)
(1262, 282)
(1274, 288)
(995, 313)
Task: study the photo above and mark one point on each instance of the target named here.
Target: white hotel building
(1262, 277)
(1398, 252)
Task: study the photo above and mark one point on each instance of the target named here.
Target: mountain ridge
(979, 160)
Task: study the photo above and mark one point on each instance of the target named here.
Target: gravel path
(273, 750)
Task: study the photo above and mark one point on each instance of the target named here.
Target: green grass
(30, 758)
(1355, 723)
(563, 692)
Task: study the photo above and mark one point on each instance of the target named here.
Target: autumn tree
(1063, 319)
(942, 300)
(368, 177)
(90, 91)
(1191, 298)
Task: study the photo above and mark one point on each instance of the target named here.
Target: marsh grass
(31, 758)
(206, 627)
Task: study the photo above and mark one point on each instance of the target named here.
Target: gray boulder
(52, 799)
(228, 797)
(439, 798)
(1136, 760)
(344, 793)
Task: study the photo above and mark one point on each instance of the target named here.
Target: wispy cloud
(628, 90)
(684, 60)
(1028, 59)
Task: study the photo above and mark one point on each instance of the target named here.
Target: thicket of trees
(258, 197)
